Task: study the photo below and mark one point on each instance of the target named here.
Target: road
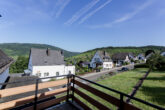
(94, 76)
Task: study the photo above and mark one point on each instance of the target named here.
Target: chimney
(62, 53)
(104, 53)
(48, 51)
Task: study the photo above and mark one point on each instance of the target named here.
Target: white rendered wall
(107, 65)
(69, 69)
(4, 76)
(52, 70)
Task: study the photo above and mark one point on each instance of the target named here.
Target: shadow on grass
(156, 78)
(158, 71)
(157, 94)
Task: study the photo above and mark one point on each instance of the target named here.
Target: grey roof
(40, 57)
(104, 55)
(121, 56)
(5, 61)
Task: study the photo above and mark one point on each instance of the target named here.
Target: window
(46, 74)
(57, 73)
(106, 65)
(97, 59)
(38, 74)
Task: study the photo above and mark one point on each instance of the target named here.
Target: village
(82, 55)
(46, 65)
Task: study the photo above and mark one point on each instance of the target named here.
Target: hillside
(22, 49)
(86, 56)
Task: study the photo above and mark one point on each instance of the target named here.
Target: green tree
(20, 65)
(156, 61)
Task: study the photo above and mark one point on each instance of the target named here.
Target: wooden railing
(24, 89)
(73, 84)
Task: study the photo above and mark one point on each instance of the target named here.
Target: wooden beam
(91, 100)
(81, 104)
(28, 88)
(47, 103)
(111, 99)
(21, 101)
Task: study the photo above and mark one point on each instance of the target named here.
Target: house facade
(47, 63)
(120, 58)
(102, 59)
(5, 63)
(163, 53)
(141, 57)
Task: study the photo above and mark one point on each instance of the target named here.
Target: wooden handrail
(105, 96)
(47, 103)
(29, 88)
(91, 100)
(84, 106)
(21, 101)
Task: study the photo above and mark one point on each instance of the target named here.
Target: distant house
(120, 58)
(163, 53)
(84, 64)
(5, 63)
(141, 57)
(47, 63)
(101, 58)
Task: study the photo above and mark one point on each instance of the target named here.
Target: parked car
(124, 69)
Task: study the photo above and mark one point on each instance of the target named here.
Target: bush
(20, 65)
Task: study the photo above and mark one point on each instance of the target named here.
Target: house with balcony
(5, 63)
(46, 63)
(101, 59)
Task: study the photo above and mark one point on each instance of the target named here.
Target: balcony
(65, 94)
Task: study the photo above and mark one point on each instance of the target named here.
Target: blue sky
(80, 25)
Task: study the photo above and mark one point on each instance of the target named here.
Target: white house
(120, 58)
(101, 58)
(5, 62)
(141, 57)
(47, 63)
(163, 53)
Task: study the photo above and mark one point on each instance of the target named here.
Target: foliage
(22, 49)
(20, 65)
(156, 61)
(87, 56)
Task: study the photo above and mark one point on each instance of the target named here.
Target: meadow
(152, 89)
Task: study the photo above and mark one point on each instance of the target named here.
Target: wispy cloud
(82, 11)
(94, 11)
(126, 16)
(63, 4)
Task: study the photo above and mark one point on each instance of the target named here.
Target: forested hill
(22, 49)
(112, 50)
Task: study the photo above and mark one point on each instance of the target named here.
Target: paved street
(96, 75)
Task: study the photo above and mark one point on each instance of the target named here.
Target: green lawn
(152, 90)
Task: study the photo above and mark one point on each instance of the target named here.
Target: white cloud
(63, 5)
(82, 11)
(94, 11)
(126, 16)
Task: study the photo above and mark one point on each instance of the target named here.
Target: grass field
(152, 90)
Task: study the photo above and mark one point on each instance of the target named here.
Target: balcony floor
(65, 106)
